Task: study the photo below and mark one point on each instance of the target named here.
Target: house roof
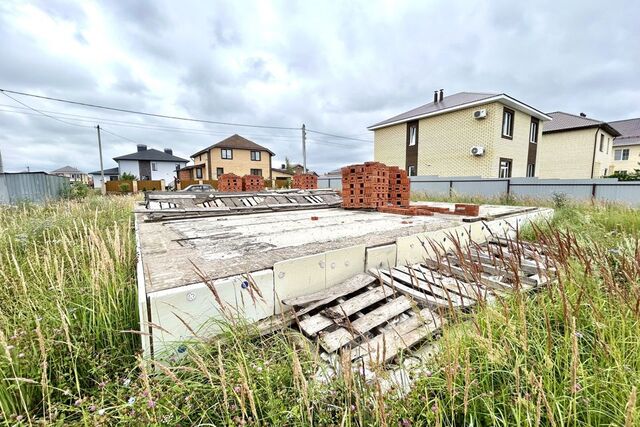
(67, 169)
(110, 171)
(284, 171)
(238, 142)
(151, 154)
(458, 101)
(629, 130)
(564, 121)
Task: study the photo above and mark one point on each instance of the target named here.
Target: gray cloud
(337, 67)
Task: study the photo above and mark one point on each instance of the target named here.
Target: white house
(110, 174)
(150, 163)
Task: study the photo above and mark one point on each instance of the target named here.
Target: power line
(338, 136)
(40, 112)
(124, 110)
(119, 136)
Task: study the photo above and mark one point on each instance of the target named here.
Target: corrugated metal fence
(31, 187)
(605, 189)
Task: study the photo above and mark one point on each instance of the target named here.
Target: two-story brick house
(465, 134)
(234, 154)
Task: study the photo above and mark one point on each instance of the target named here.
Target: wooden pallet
(176, 205)
(374, 317)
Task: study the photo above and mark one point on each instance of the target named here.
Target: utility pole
(304, 149)
(103, 187)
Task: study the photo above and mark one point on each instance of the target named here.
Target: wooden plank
(386, 346)
(459, 272)
(528, 266)
(460, 287)
(432, 288)
(338, 338)
(325, 296)
(414, 293)
(314, 324)
(492, 269)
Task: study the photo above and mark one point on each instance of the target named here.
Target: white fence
(605, 189)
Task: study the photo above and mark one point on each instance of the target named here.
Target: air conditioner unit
(477, 151)
(480, 114)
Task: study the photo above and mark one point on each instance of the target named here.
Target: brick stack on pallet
(229, 183)
(252, 183)
(399, 187)
(305, 181)
(365, 186)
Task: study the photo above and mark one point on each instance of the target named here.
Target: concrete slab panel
(298, 276)
(341, 264)
(381, 257)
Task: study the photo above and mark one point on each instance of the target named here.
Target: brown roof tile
(238, 142)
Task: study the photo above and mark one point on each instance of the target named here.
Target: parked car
(198, 188)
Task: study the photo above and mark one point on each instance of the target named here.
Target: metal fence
(604, 189)
(31, 187)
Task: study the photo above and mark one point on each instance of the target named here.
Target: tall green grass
(565, 356)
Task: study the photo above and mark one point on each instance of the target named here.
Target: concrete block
(381, 257)
(342, 264)
(298, 276)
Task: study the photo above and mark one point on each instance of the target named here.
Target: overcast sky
(337, 66)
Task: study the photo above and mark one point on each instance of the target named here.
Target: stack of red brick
(229, 183)
(252, 183)
(411, 210)
(305, 181)
(464, 209)
(365, 186)
(399, 187)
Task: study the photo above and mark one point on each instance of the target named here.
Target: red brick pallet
(252, 183)
(399, 187)
(365, 186)
(464, 209)
(305, 181)
(409, 211)
(229, 183)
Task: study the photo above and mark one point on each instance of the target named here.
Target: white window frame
(154, 166)
(507, 123)
(621, 152)
(533, 135)
(531, 170)
(411, 170)
(413, 134)
(504, 171)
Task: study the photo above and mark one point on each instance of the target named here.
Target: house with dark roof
(150, 164)
(465, 134)
(626, 147)
(110, 174)
(234, 154)
(74, 174)
(575, 147)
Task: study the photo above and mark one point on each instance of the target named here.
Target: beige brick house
(465, 134)
(575, 147)
(626, 147)
(236, 155)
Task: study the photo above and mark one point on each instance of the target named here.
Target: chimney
(168, 151)
(583, 115)
(283, 166)
(435, 96)
(142, 147)
(441, 94)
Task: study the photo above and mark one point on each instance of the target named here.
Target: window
(256, 172)
(412, 136)
(621, 154)
(412, 170)
(531, 170)
(608, 144)
(226, 153)
(507, 123)
(154, 166)
(219, 171)
(533, 131)
(199, 173)
(602, 143)
(505, 168)
(255, 156)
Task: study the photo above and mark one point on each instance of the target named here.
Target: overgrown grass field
(566, 356)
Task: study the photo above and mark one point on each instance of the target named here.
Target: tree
(128, 177)
(288, 167)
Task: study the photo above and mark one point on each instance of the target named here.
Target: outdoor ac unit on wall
(480, 114)
(477, 151)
